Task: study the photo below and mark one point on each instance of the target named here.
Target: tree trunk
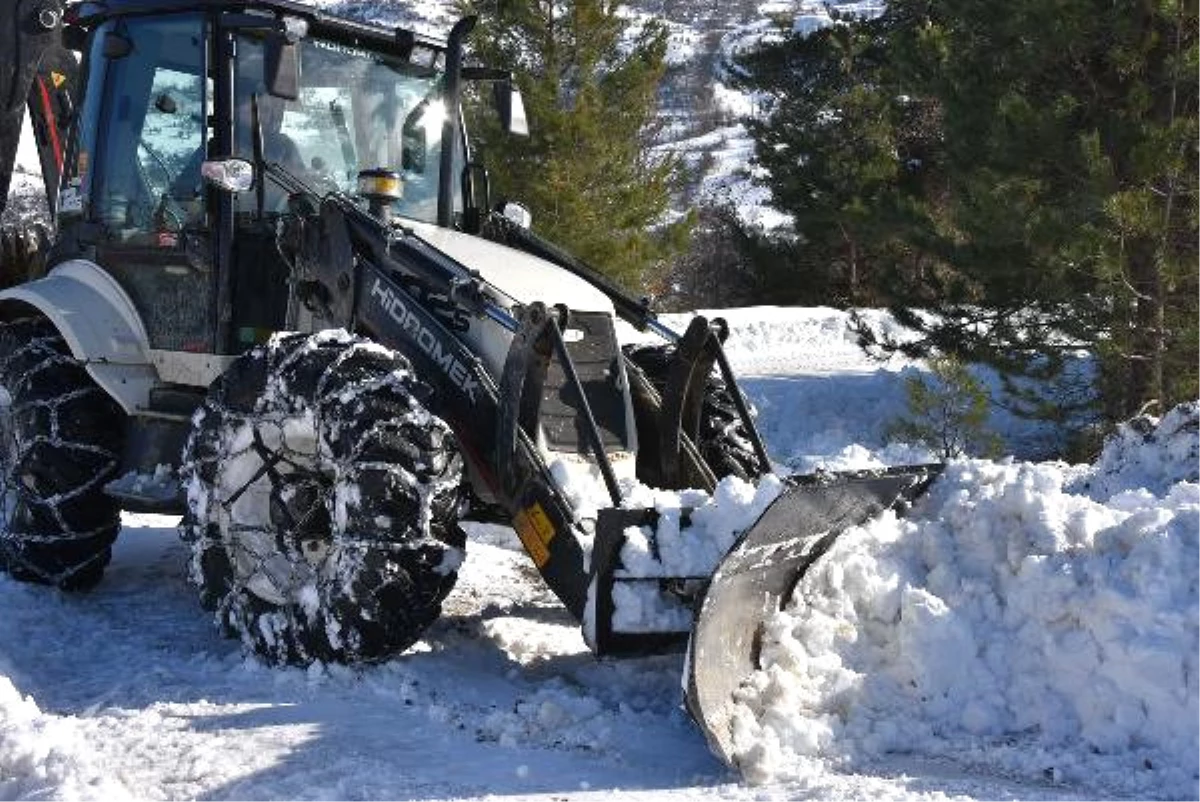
(1148, 345)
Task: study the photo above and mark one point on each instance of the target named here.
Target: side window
(151, 140)
(171, 148)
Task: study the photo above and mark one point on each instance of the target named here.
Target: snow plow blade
(758, 575)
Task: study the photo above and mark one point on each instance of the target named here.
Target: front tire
(322, 501)
(60, 442)
(722, 440)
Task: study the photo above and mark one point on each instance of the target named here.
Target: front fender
(99, 323)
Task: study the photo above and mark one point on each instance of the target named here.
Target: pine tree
(851, 160)
(1051, 204)
(948, 412)
(587, 172)
(1070, 131)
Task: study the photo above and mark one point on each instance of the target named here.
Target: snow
(713, 524)
(1007, 619)
(26, 197)
(1028, 631)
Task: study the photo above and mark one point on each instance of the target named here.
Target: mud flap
(758, 575)
(37, 71)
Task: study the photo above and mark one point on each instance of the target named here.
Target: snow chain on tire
(723, 440)
(322, 501)
(60, 442)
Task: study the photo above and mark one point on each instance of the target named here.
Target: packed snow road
(1030, 632)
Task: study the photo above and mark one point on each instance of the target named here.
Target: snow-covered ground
(1028, 631)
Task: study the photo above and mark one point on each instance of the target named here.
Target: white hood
(521, 275)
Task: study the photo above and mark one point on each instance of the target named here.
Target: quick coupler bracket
(631, 614)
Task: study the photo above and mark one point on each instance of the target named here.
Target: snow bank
(1025, 617)
(47, 757)
(1147, 454)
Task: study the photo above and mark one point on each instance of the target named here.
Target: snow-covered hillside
(1028, 631)
(699, 111)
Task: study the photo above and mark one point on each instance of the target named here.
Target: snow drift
(1028, 631)
(1036, 618)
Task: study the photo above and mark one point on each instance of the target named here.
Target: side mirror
(281, 59)
(517, 213)
(229, 175)
(511, 108)
(281, 65)
(281, 51)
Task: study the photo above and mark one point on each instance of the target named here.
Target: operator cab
(168, 88)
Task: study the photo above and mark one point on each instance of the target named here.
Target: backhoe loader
(278, 302)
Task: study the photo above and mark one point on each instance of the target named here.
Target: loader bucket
(758, 575)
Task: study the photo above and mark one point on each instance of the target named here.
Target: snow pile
(1149, 454)
(695, 529)
(1011, 622)
(693, 532)
(45, 756)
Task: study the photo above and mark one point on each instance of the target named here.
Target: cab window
(145, 152)
(357, 110)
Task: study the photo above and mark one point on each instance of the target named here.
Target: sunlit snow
(1029, 631)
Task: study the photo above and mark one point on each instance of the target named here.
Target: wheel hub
(264, 498)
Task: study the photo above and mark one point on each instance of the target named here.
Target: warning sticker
(535, 530)
(57, 78)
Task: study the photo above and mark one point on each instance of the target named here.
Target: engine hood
(524, 277)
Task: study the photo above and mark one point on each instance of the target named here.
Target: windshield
(357, 110)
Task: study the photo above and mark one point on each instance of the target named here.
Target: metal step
(158, 492)
(154, 441)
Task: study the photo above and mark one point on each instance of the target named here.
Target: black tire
(322, 501)
(722, 439)
(60, 442)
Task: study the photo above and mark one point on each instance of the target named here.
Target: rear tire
(322, 501)
(722, 439)
(60, 442)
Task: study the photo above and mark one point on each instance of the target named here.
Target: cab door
(143, 134)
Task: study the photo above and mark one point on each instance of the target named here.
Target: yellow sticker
(535, 530)
(57, 78)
